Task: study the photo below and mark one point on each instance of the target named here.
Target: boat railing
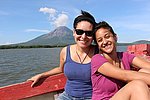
(53, 84)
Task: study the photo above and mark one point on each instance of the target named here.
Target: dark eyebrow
(99, 38)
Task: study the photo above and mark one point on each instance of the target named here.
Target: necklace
(81, 61)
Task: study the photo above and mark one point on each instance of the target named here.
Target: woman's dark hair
(85, 16)
(105, 25)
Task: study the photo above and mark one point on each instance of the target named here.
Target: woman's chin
(108, 51)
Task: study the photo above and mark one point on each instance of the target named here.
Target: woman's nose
(83, 35)
(104, 41)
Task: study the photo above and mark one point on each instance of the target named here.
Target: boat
(46, 89)
(50, 87)
(139, 49)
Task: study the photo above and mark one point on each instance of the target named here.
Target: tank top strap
(68, 58)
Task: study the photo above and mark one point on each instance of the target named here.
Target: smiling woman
(78, 85)
(112, 76)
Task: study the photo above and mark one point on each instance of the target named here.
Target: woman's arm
(110, 70)
(141, 63)
(54, 71)
(145, 70)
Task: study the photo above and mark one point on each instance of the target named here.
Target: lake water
(17, 65)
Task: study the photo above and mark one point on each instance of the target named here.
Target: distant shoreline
(21, 46)
(43, 46)
(30, 46)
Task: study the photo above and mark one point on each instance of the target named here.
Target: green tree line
(22, 46)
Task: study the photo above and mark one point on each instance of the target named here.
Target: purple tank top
(78, 77)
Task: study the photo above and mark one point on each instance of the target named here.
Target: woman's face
(106, 40)
(83, 34)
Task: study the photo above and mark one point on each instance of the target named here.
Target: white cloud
(55, 18)
(37, 30)
(48, 10)
(61, 20)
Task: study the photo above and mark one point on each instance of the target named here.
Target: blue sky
(23, 20)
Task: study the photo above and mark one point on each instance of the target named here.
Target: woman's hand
(35, 79)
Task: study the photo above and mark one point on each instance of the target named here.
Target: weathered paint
(24, 90)
(139, 49)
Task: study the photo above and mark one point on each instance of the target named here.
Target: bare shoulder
(63, 51)
(63, 55)
(72, 50)
(72, 47)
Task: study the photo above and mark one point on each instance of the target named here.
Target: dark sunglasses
(87, 33)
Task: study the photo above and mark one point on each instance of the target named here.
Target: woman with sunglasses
(75, 61)
(112, 77)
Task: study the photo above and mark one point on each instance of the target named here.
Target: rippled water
(17, 65)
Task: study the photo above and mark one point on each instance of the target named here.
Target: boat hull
(47, 87)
